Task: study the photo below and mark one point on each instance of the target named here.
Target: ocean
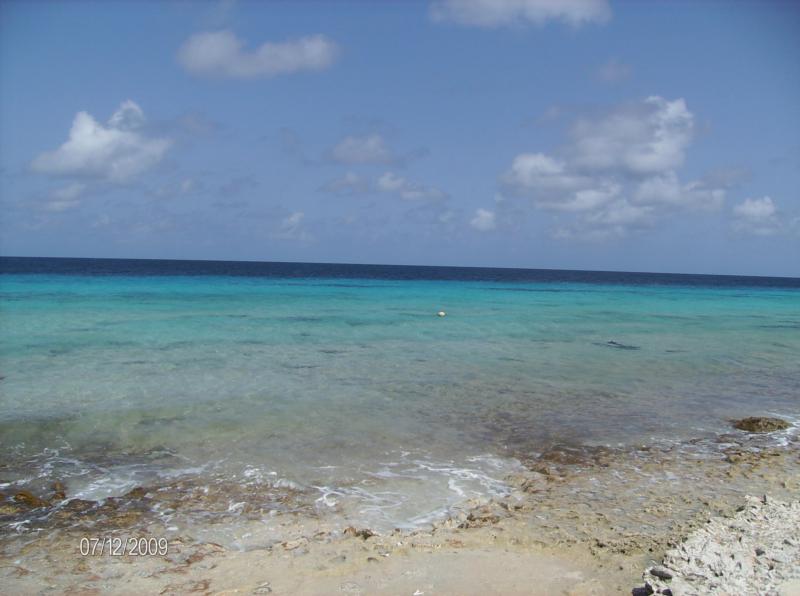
(337, 388)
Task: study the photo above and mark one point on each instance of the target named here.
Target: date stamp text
(117, 546)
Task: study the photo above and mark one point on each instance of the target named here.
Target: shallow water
(341, 382)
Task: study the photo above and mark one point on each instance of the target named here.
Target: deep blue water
(152, 267)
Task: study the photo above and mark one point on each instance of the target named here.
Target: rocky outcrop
(756, 551)
(761, 424)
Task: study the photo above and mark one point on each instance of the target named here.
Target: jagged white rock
(756, 551)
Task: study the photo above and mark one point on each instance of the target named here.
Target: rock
(293, 544)
(10, 509)
(661, 572)
(760, 424)
(364, 534)
(136, 493)
(790, 588)
(620, 346)
(29, 499)
(742, 553)
(59, 491)
(74, 507)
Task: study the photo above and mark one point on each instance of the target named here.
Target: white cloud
(755, 209)
(359, 150)
(757, 216)
(292, 221)
(484, 220)
(291, 227)
(59, 206)
(613, 71)
(617, 171)
(666, 189)
(390, 182)
(500, 13)
(221, 54)
(554, 185)
(621, 213)
(69, 192)
(542, 172)
(349, 184)
(648, 137)
(115, 152)
(129, 116)
(64, 198)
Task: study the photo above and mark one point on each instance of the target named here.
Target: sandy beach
(589, 522)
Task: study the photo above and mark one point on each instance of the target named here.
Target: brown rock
(760, 424)
(59, 491)
(29, 499)
(363, 534)
(137, 493)
(78, 506)
(10, 509)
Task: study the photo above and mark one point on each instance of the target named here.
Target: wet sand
(579, 521)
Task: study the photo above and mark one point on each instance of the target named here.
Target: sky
(559, 134)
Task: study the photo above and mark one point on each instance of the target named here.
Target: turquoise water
(353, 390)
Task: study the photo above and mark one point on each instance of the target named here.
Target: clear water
(344, 383)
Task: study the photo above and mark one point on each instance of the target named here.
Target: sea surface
(340, 382)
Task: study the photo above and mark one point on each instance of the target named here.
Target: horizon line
(403, 265)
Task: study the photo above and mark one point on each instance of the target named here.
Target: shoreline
(587, 524)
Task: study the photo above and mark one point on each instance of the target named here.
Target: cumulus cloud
(613, 71)
(620, 214)
(542, 172)
(757, 216)
(646, 137)
(392, 183)
(755, 209)
(666, 189)
(116, 151)
(222, 54)
(388, 183)
(484, 220)
(349, 184)
(617, 171)
(502, 13)
(362, 150)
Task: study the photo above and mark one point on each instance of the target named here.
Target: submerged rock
(760, 424)
(29, 499)
(59, 491)
(620, 346)
(7, 509)
(137, 493)
(76, 506)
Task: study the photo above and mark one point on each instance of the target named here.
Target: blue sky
(648, 136)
